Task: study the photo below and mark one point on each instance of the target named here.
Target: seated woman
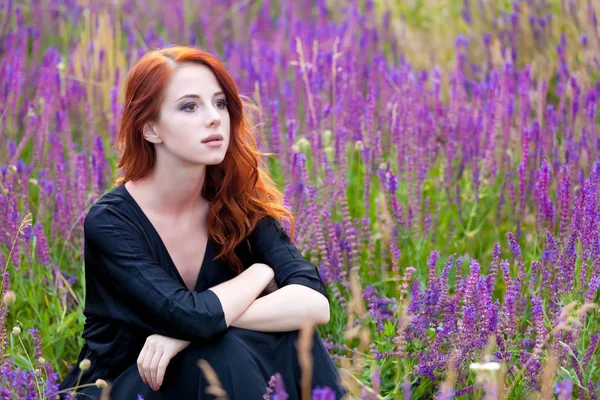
(186, 258)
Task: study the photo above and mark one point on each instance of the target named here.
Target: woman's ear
(151, 134)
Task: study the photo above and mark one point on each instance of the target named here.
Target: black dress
(133, 290)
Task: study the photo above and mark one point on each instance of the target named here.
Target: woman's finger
(154, 368)
(162, 367)
(140, 364)
(146, 364)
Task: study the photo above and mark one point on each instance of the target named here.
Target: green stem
(37, 383)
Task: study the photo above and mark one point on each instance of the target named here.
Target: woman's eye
(222, 104)
(189, 105)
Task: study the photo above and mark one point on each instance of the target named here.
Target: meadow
(441, 159)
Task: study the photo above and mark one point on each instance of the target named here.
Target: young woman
(186, 258)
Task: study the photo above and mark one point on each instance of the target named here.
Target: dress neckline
(207, 248)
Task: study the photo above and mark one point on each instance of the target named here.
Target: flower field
(442, 160)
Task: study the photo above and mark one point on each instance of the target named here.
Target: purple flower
(563, 389)
(323, 394)
(378, 307)
(592, 289)
(514, 246)
(590, 350)
(37, 342)
(396, 252)
(461, 40)
(270, 388)
(280, 393)
(538, 313)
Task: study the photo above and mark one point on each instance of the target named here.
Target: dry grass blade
(106, 392)
(404, 321)
(356, 361)
(548, 376)
(385, 224)
(502, 381)
(214, 385)
(355, 305)
(25, 222)
(583, 310)
(305, 342)
(564, 323)
(448, 384)
(497, 386)
(566, 311)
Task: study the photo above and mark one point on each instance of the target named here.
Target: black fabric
(133, 290)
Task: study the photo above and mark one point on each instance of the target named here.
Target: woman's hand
(155, 356)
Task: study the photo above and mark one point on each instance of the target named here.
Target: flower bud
(42, 360)
(101, 383)
(584, 41)
(84, 364)
(9, 298)
(303, 144)
(359, 145)
(327, 136)
(16, 330)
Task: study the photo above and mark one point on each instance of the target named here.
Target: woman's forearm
(237, 294)
(285, 310)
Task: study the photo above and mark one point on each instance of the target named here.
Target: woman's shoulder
(269, 229)
(115, 196)
(114, 205)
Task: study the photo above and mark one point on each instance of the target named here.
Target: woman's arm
(302, 292)
(125, 283)
(285, 310)
(237, 294)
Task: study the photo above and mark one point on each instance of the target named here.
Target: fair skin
(170, 196)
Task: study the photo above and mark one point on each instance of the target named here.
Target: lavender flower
(563, 389)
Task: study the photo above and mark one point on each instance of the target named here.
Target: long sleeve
(271, 245)
(129, 285)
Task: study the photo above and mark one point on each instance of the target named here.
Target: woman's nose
(214, 118)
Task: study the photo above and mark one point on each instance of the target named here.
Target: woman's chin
(210, 160)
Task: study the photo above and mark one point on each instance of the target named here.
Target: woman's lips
(214, 143)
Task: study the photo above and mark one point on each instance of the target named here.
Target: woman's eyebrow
(196, 96)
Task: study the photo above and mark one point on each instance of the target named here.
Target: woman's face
(193, 107)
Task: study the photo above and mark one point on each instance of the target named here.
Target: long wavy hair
(239, 188)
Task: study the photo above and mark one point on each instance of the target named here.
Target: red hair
(240, 190)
